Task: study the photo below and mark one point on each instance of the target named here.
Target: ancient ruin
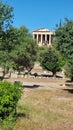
(43, 36)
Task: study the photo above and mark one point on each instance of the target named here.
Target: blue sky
(35, 14)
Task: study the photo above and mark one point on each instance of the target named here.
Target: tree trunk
(72, 79)
(10, 75)
(3, 75)
(54, 74)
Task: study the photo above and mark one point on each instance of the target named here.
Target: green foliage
(41, 51)
(5, 16)
(64, 44)
(64, 39)
(69, 70)
(18, 50)
(8, 123)
(25, 53)
(9, 96)
(50, 61)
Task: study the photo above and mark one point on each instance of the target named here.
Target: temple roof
(42, 30)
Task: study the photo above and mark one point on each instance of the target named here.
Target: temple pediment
(42, 30)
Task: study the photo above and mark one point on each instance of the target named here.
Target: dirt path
(41, 83)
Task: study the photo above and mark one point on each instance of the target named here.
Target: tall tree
(64, 43)
(6, 14)
(18, 50)
(25, 53)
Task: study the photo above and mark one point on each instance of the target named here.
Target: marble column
(49, 39)
(37, 37)
(41, 39)
(45, 37)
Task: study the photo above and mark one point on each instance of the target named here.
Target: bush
(9, 96)
(69, 71)
(35, 74)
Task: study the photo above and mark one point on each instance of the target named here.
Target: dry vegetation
(41, 109)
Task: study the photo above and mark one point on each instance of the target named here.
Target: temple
(43, 36)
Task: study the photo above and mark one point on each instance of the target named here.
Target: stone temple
(43, 36)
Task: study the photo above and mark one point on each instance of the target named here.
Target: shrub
(9, 96)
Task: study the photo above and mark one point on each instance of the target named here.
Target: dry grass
(45, 110)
